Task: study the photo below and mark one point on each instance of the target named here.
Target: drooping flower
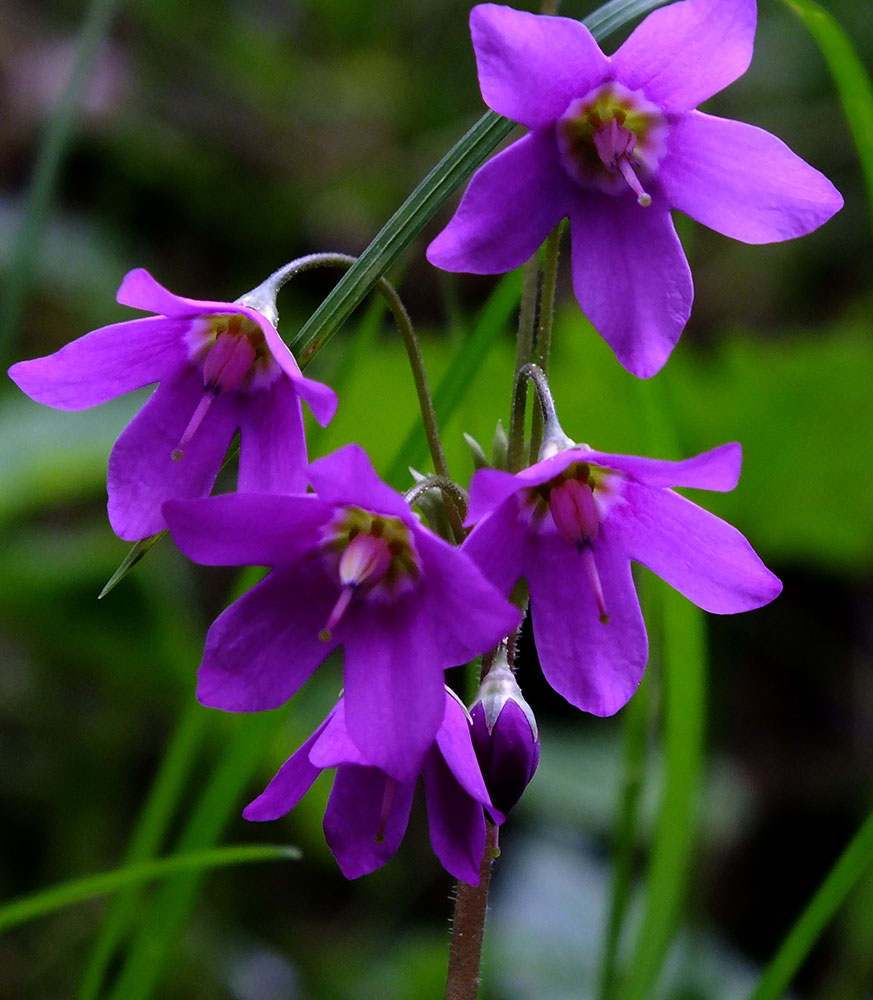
(504, 734)
(352, 567)
(615, 143)
(572, 523)
(221, 367)
(368, 810)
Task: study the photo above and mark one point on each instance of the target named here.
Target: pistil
(365, 561)
(385, 813)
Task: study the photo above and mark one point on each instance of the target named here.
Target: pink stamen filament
(385, 814)
(587, 553)
(615, 146)
(339, 609)
(627, 171)
(178, 453)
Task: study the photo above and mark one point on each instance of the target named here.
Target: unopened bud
(504, 735)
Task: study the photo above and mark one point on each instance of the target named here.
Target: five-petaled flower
(221, 367)
(572, 523)
(368, 810)
(352, 567)
(615, 143)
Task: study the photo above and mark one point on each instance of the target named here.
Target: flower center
(368, 554)
(569, 499)
(610, 138)
(232, 353)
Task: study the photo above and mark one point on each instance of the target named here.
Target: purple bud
(504, 735)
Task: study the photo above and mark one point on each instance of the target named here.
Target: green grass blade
(684, 696)
(852, 864)
(420, 207)
(850, 77)
(163, 925)
(47, 169)
(470, 356)
(146, 842)
(49, 900)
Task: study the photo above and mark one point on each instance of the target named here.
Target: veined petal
(354, 816)
(703, 557)
(595, 666)
(497, 545)
(531, 67)
(456, 821)
(347, 476)
(272, 449)
(631, 277)
(142, 473)
(743, 182)
(291, 782)
(684, 53)
(466, 614)
(104, 364)
(394, 687)
(262, 648)
(510, 206)
(717, 469)
(241, 529)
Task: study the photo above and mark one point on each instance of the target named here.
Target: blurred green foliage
(217, 141)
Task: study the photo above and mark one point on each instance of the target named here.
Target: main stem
(468, 927)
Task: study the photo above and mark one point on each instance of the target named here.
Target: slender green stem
(150, 832)
(523, 354)
(855, 860)
(40, 904)
(543, 345)
(468, 927)
(263, 299)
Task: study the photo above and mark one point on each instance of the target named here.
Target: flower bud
(504, 735)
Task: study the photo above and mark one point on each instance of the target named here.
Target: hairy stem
(468, 927)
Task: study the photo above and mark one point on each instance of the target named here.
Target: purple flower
(368, 810)
(352, 567)
(615, 144)
(572, 523)
(221, 366)
(504, 734)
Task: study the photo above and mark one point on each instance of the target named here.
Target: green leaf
(850, 77)
(41, 904)
(853, 863)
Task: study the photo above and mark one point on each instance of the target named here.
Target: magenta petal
(334, 745)
(239, 529)
(466, 613)
(142, 473)
(743, 182)
(262, 648)
(457, 823)
(717, 469)
(104, 364)
(347, 476)
(353, 819)
(497, 545)
(488, 489)
(595, 666)
(455, 743)
(703, 557)
(684, 53)
(510, 206)
(631, 278)
(291, 782)
(140, 291)
(531, 67)
(394, 688)
(272, 450)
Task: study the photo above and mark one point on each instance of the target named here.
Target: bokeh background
(218, 139)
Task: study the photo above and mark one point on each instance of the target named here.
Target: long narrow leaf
(850, 77)
(49, 900)
(853, 863)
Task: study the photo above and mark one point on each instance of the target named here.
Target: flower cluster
(615, 144)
